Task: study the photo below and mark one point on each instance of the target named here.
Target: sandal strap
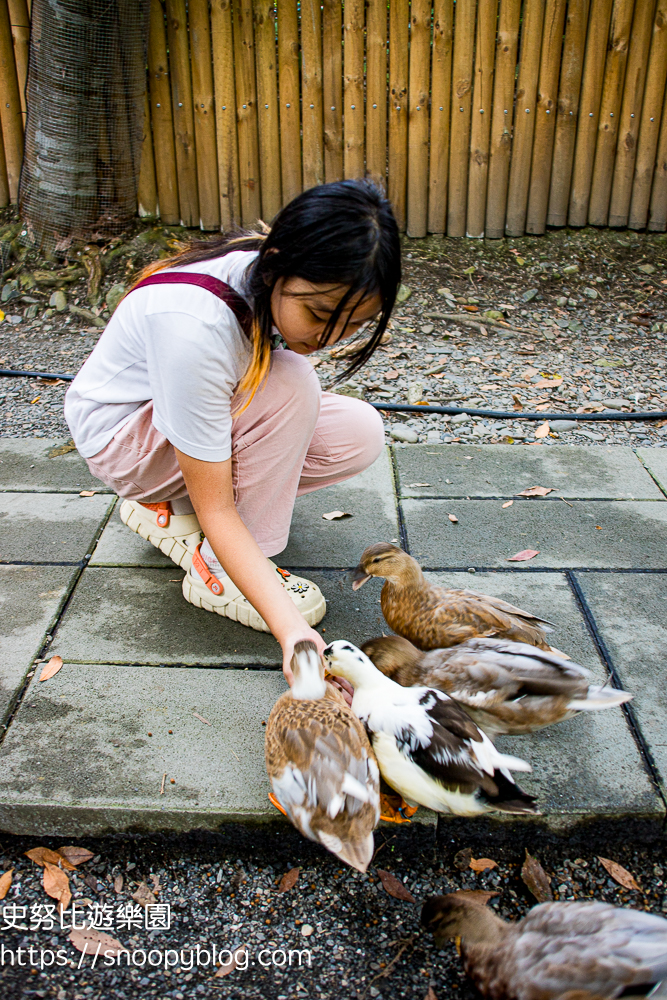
(200, 566)
(163, 510)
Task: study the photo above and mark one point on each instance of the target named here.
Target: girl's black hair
(343, 233)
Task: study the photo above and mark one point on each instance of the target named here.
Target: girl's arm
(210, 488)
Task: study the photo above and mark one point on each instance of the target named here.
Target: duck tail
(598, 698)
(509, 798)
(356, 853)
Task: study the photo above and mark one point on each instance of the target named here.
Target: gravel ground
(588, 305)
(224, 890)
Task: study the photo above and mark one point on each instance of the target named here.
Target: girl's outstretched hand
(288, 644)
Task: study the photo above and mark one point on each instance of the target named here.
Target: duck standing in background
(428, 749)
(434, 617)
(558, 950)
(322, 769)
(507, 688)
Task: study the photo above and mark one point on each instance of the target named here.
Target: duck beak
(359, 577)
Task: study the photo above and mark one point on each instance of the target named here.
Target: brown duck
(434, 617)
(505, 687)
(323, 772)
(559, 950)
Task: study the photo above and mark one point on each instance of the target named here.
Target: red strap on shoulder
(236, 302)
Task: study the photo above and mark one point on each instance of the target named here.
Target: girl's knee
(365, 432)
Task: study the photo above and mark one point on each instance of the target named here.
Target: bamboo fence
(477, 117)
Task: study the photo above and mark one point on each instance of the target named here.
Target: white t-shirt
(180, 346)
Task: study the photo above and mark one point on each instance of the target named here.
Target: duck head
(392, 654)
(344, 660)
(308, 670)
(458, 916)
(387, 561)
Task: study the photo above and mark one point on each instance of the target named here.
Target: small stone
(590, 293)
(572, 302)
(562, 324)
(14, 320)
(548, 335)
(405, 434)
(493, 314)
(428, 328)
(306, 930)
(616, 403)
(114, 295)
(415, 393)
(433, 437)
(646, 268)
(460, 418)
(403, 293)
(31, 312)
(349, 389)
(9, 291)
(561, 301)
(592, 435)
(48, 313)
(445, 292)
(529, 295)
(562, 425)
(571, 269)
(59, 301)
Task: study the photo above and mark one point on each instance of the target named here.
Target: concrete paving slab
(629, 610)
(369, 497)
(588, 768)
(118, 546)
(655, 460)
(28, 464)
(30, 598)
(138, 615)
(504, 470)
(43, 527)
(604, 534)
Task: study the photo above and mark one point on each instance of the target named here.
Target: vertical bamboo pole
(246, 112)
(311, 93)
(545, 116)
(524, 118)
(222, 43)
(267, 107)
(501, 124)
(572, 64)
(399, 22)
(591, 93)
(649, 130)
(332, 88)
(161, 118)
(290, 119)
(146, 187)
(657, 220)
(353, 88)
(459, 144)
(204, 114)
(4, 183)
(20, 19)
(376, 91)
(630, 116)
(184, 125)
(480, 133)
(418, 96)
(612, 90)
(441, 103)
(11, 117)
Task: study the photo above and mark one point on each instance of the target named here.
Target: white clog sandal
(177, 535)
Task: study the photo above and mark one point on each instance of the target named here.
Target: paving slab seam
(17, 699)
(271, 668)
(536, 569)
(32, 562)
(656, 481)
(519, 499)
(605, 656)
(402, 528)
(46, 489)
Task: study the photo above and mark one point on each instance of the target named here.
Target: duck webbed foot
(394, 808)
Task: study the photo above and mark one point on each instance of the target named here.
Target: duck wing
(507, 608)
(592, 946)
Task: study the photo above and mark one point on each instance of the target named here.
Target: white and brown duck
(428, 749)
(322, 769)
(505, 687)
(435, 617)
(559, 950)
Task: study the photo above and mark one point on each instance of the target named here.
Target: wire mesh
(85, 98)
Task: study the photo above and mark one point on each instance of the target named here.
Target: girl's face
(301, 311)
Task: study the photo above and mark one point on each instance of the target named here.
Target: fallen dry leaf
(477, 895)
(536, 491)
(619, 874)
(56, 884)
(155, 879)
(87, 493)
(143, 895)
(524, 555)
(536, 879)
(201, 718)
(42, 855)
(548, 383)
(462, 859)
(391, 375)
(529, 372)
(5, 882)
(224, 970)
(413, 486)
(289, 880)
(336, 515)
(51, 668)
(482, 864)
(76, 855)
(542, 432)
(92, 882)
(453, 518)
(93, 942)
(518, 405)
(394, 887)
(118, 884)
(508, 504)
